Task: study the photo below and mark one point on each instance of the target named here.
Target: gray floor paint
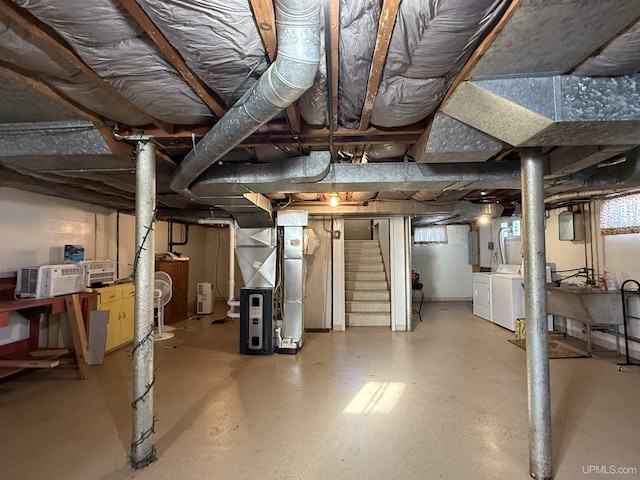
(445, 401)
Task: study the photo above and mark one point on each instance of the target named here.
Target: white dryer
(507, 299)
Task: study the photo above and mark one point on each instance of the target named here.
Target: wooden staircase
(367, 294)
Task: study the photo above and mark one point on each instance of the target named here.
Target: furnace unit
(257, 321)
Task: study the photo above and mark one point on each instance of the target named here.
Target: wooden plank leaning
(78, 333)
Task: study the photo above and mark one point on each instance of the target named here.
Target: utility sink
(597, 309)
(587, 305)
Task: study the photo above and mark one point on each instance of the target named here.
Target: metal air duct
(293, 72)
(554, 111)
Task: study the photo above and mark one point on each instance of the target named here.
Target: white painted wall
(444, 269)
(36, 227)
(618, 253)
(317, 311)
(399, 274)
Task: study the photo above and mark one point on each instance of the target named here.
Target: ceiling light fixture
(334, 199)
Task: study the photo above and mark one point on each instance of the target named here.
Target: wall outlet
(490, 245)
(336, 234)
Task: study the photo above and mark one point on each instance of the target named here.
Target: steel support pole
(536, 314)
(143, 450)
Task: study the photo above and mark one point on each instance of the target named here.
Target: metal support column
(143, 450)
(536, 314)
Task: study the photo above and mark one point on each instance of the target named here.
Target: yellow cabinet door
(118, 301)
(127, 311)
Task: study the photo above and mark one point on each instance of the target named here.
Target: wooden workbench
(26, 353)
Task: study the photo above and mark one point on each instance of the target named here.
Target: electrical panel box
(257, 322)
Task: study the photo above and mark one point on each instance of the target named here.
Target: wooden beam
(173, 57)
(49, 352)
(26, 79)
(265, 19)
(334, 65)
(29, 363)
(78, 333)
(117, 148)
(604, 44)
(385, 28)
(420, 146)
(35, 85)
(43, 37)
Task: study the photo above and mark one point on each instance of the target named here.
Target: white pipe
(232, 260)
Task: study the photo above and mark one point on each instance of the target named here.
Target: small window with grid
(431, 235)
(620, 215)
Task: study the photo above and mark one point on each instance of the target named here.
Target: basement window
(620, 215)
(431, 235)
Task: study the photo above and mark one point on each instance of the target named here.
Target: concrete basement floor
(447, 400)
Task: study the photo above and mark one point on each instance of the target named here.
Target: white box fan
(204, 304)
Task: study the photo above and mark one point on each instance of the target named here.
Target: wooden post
(78, 333)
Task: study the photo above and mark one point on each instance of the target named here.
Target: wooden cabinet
(119, 302)
(178, 308)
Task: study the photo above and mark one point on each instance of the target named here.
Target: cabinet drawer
(128, 291)
(109, 294)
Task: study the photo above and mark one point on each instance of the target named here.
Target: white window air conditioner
(98, 272)
(205, 299)
(49, 280)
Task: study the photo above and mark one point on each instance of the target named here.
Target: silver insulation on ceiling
(218, 40)
(430, 43)
(117, 50)
(17, 49)
(620, 57)
(358, 30)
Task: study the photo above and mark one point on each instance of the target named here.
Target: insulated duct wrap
(16, 49)
(358, 31)
(218, 40)
(430, 43)
(118, 51)
(312, 105)
(284, 82)
(620, 57)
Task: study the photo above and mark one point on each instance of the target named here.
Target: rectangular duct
(257, 256)
(551, 111)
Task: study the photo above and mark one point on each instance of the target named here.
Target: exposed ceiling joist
(333, 49)
(421, 145)
(385, 28)
(37, 86)
(118, 148)
(266, 22)
(173, 57)
(601, 47)
(309, 137)
(43, 37)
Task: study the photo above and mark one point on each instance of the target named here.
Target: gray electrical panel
(474, 259)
